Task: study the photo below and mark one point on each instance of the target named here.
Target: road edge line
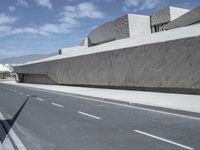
(13, 136)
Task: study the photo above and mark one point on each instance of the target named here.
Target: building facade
(133, 51)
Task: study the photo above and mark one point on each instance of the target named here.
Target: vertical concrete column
(19, 77)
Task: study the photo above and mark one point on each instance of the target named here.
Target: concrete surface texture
(171, 64)
(183, 102)
(64, 51)
(188, 18)
(103, 33)
(123, 27)
(166, 15)
(161, 16)
(139, 25)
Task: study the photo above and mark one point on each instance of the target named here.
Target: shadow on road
(6, 125)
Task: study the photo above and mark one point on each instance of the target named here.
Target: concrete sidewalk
(183, 102)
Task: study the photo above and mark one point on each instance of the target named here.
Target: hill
(25, 58)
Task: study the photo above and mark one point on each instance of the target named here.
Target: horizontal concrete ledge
(147, 89)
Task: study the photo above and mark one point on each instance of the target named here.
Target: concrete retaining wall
(171, 65)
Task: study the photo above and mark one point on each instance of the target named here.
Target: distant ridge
(25, 58)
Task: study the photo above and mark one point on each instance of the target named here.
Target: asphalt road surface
(45, 120)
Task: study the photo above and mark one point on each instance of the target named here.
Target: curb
(157, 108)
(163, 109)
(170, 110)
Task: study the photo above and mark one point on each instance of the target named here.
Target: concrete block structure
(189, 18)
(127, 26)
(125, 54)
(164, 16)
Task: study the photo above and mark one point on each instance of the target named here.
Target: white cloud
(5, 19)
(4, 29)
(22, 3)
(72, 0)
(68, 20)
(45, 3)
(140, 4)
(72, 14)
(55, 28)
(11, 8)
(89, 10)
(24, 30)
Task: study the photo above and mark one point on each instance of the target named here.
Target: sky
(45, 26)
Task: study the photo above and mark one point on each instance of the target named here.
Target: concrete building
(165, 16)
(158, 52)
(192, 17)
(128, 26)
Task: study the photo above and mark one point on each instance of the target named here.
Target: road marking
(13, 135)
(125, 105)
(57, 105)
(40, 99)
(88, 115)
(164, 140)
(98, 99)
(21, 93)
(15, 91)
(28, 95)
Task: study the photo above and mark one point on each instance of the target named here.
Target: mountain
(25, 58)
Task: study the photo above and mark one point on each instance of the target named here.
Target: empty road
(45, 120)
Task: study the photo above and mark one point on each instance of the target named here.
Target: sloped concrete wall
(171, 65)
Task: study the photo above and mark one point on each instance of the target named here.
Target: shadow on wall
(6, 125)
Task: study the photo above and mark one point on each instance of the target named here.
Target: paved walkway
(184, 102)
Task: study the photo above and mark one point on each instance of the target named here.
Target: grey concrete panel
(189, 18)
(166, 15)
(139, 25)
(161, 16)
(130, 25)
(102, 34)
(37, 78)
(116, 29)
(122, 28)
(172, 64)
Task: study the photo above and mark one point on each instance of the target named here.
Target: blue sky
(44, 26)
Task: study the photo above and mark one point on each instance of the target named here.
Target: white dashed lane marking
(40, 99)
(57, 104)
(164, 140)
(92, 116)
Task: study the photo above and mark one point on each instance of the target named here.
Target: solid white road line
(57, 105)
(40, 99)
(88, 115)
(13, 135)
(164, 140)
